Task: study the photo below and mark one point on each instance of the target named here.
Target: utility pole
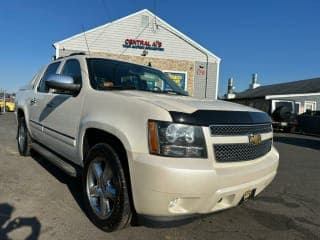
(4, 100)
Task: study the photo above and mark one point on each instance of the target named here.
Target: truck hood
(186, 104)
(188, 110)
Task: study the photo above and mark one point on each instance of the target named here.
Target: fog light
(173, 203)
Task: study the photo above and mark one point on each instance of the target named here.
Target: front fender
(89, 123)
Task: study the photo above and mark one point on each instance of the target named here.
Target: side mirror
(62, 82)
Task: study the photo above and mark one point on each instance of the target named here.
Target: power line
(192, 45)
(85, 38)
(138, 35)
(108, 21)
(107, 10)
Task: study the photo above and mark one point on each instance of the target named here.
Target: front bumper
(171, 187)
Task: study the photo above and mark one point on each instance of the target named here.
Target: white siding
(200, 84)
(110, 38)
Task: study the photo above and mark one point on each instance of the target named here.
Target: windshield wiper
(160, 91)
(120, 88)
(168, 91)
(173, 92)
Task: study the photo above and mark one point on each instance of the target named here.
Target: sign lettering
(143, 44)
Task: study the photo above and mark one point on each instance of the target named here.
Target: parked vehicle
(282, 112)
(141, 145)
(284, 115)
(309, 122)
(9, 106)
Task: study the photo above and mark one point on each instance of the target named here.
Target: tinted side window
(72, 68)
(52, 69)
(36, 77)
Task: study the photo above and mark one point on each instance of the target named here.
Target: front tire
(105, 189)
(23, 138)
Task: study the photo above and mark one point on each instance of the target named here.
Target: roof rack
(71, 54)
(77, 53)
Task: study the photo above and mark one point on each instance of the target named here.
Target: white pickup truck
(140, 144)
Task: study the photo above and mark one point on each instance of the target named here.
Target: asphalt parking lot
(38, 201)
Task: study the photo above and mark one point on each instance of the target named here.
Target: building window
(310, 105)
(298, 108)
(180, 78)
(288, 104)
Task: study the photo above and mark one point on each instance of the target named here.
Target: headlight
(176, 140)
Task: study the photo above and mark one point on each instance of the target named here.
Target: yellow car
(10, 106)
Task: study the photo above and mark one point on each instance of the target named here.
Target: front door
(61, 115)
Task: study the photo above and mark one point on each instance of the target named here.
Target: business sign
(143, 44)
(180, 78)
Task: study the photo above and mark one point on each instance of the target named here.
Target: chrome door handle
(33, 101)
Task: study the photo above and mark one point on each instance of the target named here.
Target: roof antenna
(85, 38)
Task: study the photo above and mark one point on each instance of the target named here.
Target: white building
(146, 39)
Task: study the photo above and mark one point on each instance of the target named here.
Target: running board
(56, 160)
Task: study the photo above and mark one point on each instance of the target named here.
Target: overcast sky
(278, 39)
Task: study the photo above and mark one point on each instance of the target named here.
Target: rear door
(37, 101)
(61, 115)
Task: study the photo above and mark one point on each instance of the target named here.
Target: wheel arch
(94, 135)
(20, 113)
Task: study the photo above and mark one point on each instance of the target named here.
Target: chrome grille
(238, 130)
(241, 151)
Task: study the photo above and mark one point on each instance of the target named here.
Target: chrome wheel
(105, 188)
(101, 185)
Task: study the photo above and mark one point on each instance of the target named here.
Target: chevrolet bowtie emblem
(255, 139)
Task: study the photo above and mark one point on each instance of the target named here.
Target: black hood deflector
(210, 117)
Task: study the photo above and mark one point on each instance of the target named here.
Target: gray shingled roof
(302, 86)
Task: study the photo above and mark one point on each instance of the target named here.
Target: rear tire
(23, 138)
(105, 189)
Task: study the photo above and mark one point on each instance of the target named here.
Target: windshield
(115, 75)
